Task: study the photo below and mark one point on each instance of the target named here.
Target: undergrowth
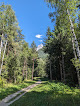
(50, 94)
(10, 88)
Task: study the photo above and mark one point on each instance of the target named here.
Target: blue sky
(33, 18)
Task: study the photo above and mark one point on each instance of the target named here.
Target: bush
(19, 79)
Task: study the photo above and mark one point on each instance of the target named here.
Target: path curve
(8, 98)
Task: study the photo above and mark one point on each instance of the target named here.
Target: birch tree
(8, 29)
(70, 8)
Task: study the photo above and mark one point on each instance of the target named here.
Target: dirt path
(16, 96)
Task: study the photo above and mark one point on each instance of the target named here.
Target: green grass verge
(50, 94)
(12, 88)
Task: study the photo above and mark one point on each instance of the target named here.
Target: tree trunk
(26, 71)
(74, 36)
(50, 71)
(8, 50)
(74, 41)
(3, 57)
(23, 74)
(78, 73)
(60, 68)
(15, 79)
(1, 44)
(63, 68)
(24, 68)
(33, 69)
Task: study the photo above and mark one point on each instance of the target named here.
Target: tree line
(63, 43)
(17, 59)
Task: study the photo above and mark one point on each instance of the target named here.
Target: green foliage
(17, 61)
(58, 43)
(33, 46)
(40, 69)
(41, 54)
(19, 79)
(49, 94)
(12, 88)
(76, 63)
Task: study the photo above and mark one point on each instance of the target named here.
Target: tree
(34, 56)
(9, 29)
(68, 9)
(10, 38)
(24, 58)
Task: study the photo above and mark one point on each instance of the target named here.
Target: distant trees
(40, 69)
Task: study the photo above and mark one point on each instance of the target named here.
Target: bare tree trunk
(14, 70)
(8, 50)
(3, 57)
(33, 69)
(60, 68)
(1, 46)
(74, 37)
(78, 73)
(23, 74)
(26, 71)
(50, 71)
(23, 69)
(15, 80)
(63, 67)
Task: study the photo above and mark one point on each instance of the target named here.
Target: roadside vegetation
(10, 88)
(50, 94)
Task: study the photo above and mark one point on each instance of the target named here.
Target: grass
(40, 78)
(50, 94)
(12, 88)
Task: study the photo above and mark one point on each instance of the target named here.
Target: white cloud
(38, 36)
(40, 40)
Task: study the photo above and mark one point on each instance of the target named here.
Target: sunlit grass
(50, 94)
(11, 88)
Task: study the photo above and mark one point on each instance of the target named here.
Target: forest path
(13, 97)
